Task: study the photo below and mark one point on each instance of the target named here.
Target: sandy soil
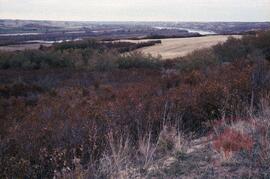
(178, 47)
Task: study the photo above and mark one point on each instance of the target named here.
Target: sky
(136, 10)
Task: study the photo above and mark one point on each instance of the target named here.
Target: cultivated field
(178, 47)
(168, 49)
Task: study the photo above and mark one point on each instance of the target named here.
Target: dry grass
(123, 160)
(179, 47)
(116, 163)
(147, 149)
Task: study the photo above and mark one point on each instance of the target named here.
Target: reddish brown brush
(232, 141)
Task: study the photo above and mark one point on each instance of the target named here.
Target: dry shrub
(138, 60)
(231, 141)
(74, 120)
(172, 140)
(65, 125)
(245, 141)
(77, 172)
(71, 121)
(199, 59)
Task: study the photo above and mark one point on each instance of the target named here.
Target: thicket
(89, 54)
(249, 48)
(51, 119)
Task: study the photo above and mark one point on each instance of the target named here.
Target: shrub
(49, 148)
(245, 141)
(126, 95)
(231, 141)
(232, 49)
(19, 89)
(82, 44)
(199, 59)
(171, 140)
(104, 62)
(260, 41)
(35, 59)
(138, 60)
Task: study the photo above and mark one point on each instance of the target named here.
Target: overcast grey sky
(140, 10)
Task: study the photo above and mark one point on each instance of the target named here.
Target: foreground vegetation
(87, 110)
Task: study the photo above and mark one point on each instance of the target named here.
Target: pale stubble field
(179, 47)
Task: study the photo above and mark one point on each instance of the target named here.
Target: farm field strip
(178, 47)
(168, 49)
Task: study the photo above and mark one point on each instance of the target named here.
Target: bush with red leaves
(231, 141)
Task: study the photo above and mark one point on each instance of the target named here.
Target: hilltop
(95, 109)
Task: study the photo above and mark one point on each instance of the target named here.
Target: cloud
(175, 10)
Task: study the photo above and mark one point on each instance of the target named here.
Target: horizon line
(26, 19)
